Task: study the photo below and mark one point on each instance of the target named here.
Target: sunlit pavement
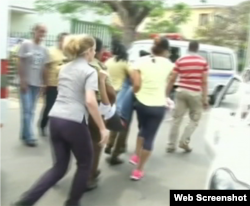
(21, 166)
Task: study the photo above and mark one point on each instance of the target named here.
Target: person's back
(70, 102)
(190, 69)
(191, 73)
(149, 84)
(57, 59)
(118, 71)
(154, 73)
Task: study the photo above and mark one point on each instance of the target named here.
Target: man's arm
(47, 65)
(22, 54)
(20, 68)
(102, 86)
(172, 79)
(45, 75)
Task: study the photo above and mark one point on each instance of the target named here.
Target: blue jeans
(125, 101)
(28, 102)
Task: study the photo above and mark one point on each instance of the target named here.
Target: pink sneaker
(134, 160)
(137, 175)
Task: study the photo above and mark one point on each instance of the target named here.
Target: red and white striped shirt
(190, 69)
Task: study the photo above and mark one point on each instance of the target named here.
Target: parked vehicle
(222, 61)
(227, 139)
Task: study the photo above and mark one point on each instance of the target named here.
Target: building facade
(201, 15)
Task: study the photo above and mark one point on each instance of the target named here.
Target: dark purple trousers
(66, 137)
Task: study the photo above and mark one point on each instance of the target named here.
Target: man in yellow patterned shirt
(56, 61)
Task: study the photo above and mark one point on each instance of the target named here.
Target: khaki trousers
(118, 140)
(97, 149)
(185, 101)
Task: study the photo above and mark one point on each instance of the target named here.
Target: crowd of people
(90, 100)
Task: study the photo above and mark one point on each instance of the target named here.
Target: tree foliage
(229, 28)
(130, 12)
(180, 14)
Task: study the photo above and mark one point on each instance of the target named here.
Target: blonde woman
(69, 130)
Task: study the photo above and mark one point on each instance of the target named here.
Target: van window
(134, 51)
(174, 54)
(222, 61)
(204, 54)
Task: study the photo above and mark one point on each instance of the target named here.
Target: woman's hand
(170, 103)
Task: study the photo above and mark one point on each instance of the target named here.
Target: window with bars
(218, 19)
(203, 19)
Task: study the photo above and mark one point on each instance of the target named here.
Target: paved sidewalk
(21, 166)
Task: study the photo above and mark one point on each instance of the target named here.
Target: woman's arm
(170, 82)
(103, 90)
(111, 92)
(136, 80)
(91, 87)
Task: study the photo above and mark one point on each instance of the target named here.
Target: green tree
(180, 15)
(131, 12)
(229, 28)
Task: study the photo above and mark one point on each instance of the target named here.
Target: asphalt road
(21, 166)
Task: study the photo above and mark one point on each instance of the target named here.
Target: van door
(222, 69)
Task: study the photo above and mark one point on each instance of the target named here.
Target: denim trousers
(125, 101)
(28, 102)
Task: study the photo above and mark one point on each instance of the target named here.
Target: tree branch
(112, 4)
(126, 4)
(141, 15)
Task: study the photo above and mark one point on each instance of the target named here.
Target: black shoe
(114, 161)
(108, 150)
(42, 132)
(20, 204)
(68, 204)
(91, 186)
(30, 143)
(97, 174)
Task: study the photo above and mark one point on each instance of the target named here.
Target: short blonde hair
(76, 45)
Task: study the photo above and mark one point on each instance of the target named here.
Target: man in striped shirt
(191, 71)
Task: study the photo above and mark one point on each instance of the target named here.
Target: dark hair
(161, 44)
(37, 26)
(119, 51)
(61, 35)
(99, 45)
(19, 41)
(144, 53)
(193, 46)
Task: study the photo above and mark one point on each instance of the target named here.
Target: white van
(222, 61)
